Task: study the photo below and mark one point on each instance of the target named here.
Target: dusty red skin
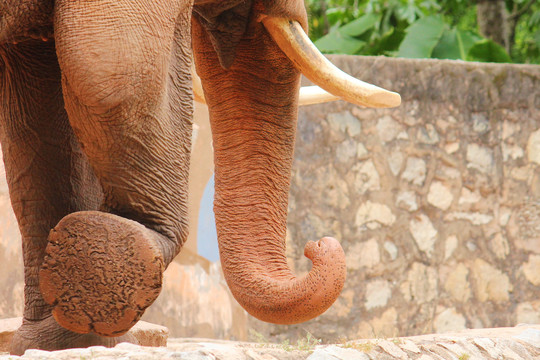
(281, 298)
(97, 121)
(134, 125)
(70, 148)
(44, 191)
(254, 133)
(101, 272)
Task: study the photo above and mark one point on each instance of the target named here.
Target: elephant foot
(46, 334)
(100, 272)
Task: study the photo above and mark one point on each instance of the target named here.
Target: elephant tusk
(309, 95)
(294, 42)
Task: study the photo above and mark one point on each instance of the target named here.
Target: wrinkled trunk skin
(253, 111)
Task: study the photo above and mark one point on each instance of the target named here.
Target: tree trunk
(493, 21)
(325, 18)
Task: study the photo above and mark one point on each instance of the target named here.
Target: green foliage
(455, 44)
(347, 39)
(257, 337)
(489, 51)
(422, 38)
(420, 29)
(307, 343)
(364, 347)
(527, 38)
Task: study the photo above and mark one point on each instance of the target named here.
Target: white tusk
(309, 95)
(294, 42)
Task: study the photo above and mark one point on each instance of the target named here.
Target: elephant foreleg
(128, 99)
(48, 178)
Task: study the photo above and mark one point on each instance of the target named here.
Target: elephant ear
(226, 24)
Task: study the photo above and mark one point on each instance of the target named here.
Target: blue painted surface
(207, 245)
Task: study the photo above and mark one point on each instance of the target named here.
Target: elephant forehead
(211, 9)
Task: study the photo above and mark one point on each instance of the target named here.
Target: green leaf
(409, 12)
(455, 44)
(449, 46)
(335, 15)
(535, 19)
(359, 26)
(421, 38)
(488, 51)
(385, 45)
(468, 39)
(337, 43)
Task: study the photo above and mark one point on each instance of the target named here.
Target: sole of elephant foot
(47, 334)
(100, 272)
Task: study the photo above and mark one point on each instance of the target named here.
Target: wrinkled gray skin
(95, 126)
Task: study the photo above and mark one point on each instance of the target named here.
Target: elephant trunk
(253, 110)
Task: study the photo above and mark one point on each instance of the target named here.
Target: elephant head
(106, 99)
(249, 56)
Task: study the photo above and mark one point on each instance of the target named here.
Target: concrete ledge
(521, 342)
(146, 333)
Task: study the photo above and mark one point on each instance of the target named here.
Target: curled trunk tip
(278, 300)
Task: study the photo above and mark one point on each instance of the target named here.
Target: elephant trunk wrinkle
(253, 133)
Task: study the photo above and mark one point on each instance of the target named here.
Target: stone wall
(436, 203)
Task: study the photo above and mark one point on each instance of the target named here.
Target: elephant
(95, 125)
